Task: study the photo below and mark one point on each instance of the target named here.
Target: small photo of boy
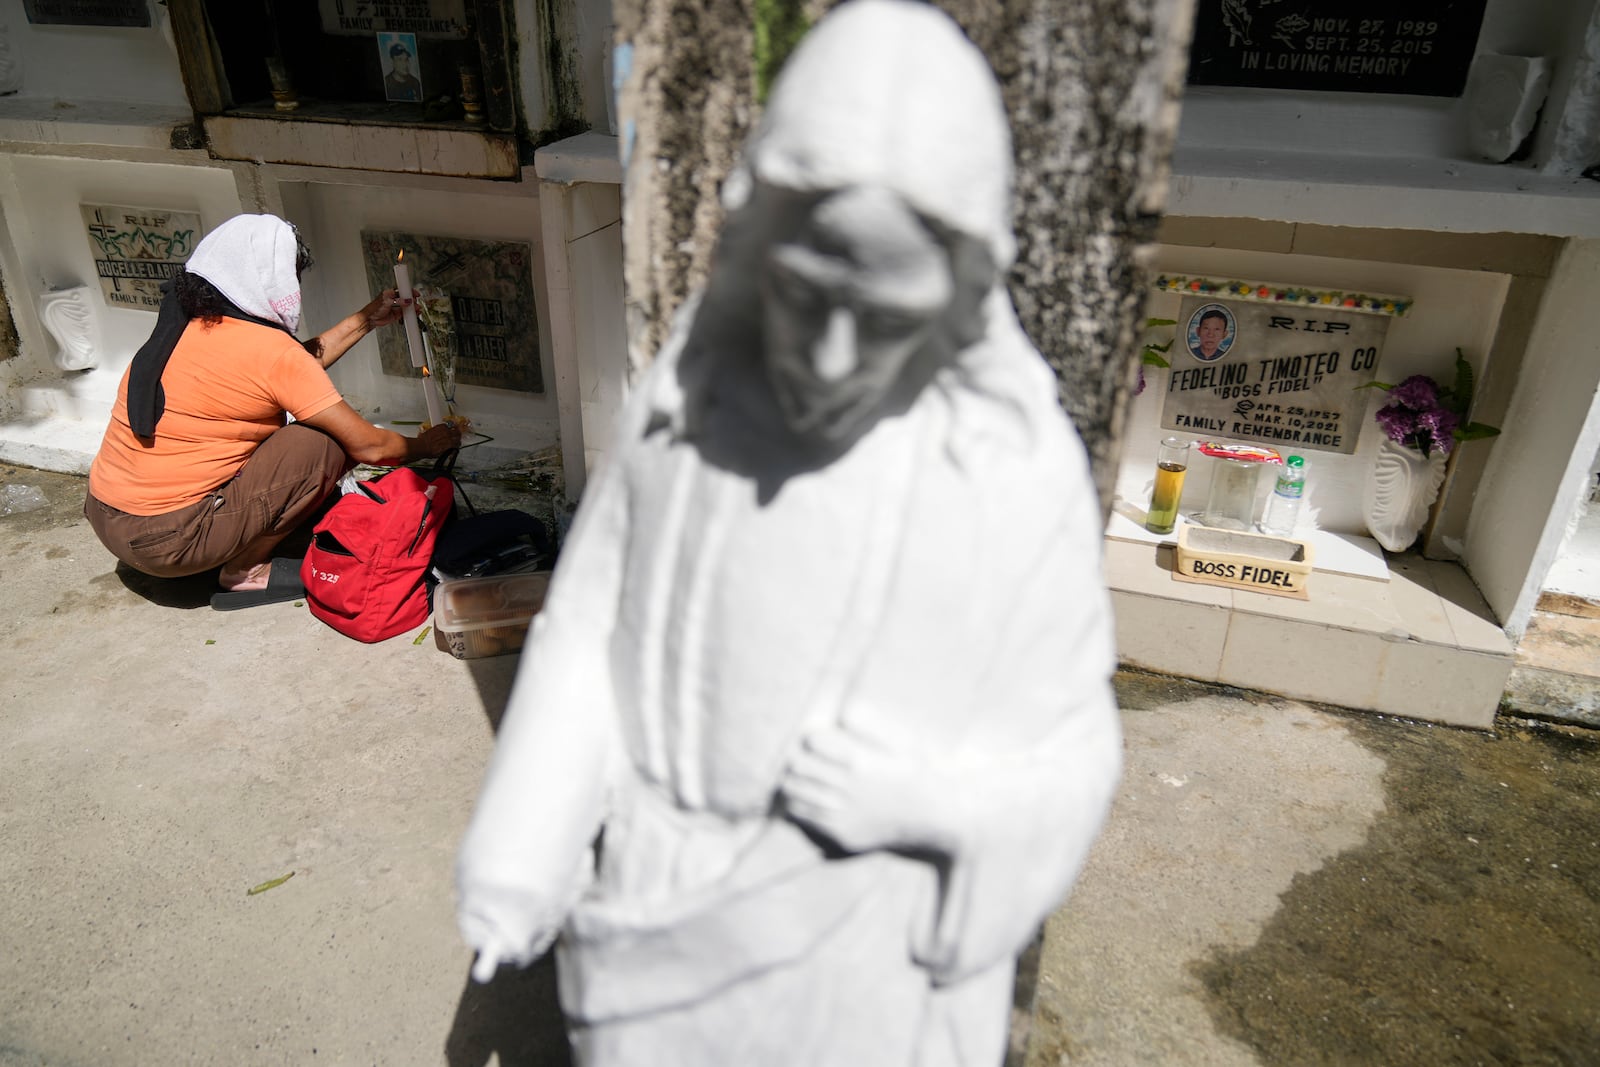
(397, 52)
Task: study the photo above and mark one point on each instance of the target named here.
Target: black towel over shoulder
(146, 401)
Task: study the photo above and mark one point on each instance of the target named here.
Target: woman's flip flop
(283, 583)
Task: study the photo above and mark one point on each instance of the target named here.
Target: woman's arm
(385, 308)
(366, 443)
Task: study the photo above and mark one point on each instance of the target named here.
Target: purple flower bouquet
(1421, 415)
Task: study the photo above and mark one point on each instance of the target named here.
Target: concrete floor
(1280, 884)
(1287, 885)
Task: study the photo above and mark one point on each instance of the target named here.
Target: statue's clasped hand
(866, 791)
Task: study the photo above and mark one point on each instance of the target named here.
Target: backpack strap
(445, 467)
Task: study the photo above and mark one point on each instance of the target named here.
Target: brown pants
(279, 486)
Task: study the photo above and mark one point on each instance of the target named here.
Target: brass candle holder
(284, 98)
(472, 96)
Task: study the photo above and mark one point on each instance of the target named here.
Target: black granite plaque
(477, 305)
(88, 12)
(1415, 47)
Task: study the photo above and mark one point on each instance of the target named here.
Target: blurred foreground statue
(816, 726)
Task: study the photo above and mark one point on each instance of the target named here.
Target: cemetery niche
(478, 298)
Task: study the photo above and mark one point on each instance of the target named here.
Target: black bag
(495, 542)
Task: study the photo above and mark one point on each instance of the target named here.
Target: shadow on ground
(515, 1018)
(187, 593)
(1465, 930)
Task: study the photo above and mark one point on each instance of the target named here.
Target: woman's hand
(385, 308)
(437, 440)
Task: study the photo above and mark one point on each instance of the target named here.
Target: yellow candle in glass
(1172, 463)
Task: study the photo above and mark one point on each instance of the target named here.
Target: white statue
(816, 726)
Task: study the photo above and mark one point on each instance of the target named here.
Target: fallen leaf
(264, 886)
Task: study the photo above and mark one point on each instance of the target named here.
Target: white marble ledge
(1422, 602)
(1453, 196)
(62, 444)
(111, 123)
(588, 157)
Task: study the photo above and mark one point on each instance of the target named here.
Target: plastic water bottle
(1283, 508)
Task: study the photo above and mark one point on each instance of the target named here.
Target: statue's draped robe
(942, 580)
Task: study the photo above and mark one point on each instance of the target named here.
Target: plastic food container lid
(494, 600)
(1242, 453)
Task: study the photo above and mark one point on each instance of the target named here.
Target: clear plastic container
(477, 617)
(1231, 504)
(1283, 506)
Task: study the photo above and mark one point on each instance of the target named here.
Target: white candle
(402, 283)
(430, 397)
(430, 386)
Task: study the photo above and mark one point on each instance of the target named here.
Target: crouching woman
(200, 468)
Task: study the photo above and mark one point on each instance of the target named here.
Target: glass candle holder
(1172, 463)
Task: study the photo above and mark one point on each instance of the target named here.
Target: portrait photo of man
(398, 51)
(1211, 332)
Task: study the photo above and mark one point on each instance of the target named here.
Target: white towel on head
(250, 259)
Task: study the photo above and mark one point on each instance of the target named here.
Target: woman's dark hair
(302, 255)
(201, 300)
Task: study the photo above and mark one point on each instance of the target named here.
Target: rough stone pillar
(1092, 87)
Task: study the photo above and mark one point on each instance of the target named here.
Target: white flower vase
(1400, 489)
(69, 316)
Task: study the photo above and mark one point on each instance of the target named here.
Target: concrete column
(554, 234)
(1540, 463)
(580, 229)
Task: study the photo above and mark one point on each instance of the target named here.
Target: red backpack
(365, 573)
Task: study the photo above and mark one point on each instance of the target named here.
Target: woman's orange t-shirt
(227, 387)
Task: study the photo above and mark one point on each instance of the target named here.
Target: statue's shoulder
(657, 399)
(1013, 407)
(1018, 450)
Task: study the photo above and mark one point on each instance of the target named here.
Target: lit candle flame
(425, 373)
(401, 256)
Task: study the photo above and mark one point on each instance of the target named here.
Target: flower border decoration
(1299, 295)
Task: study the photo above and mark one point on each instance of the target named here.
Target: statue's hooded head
(891, 93)
(872, 208)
